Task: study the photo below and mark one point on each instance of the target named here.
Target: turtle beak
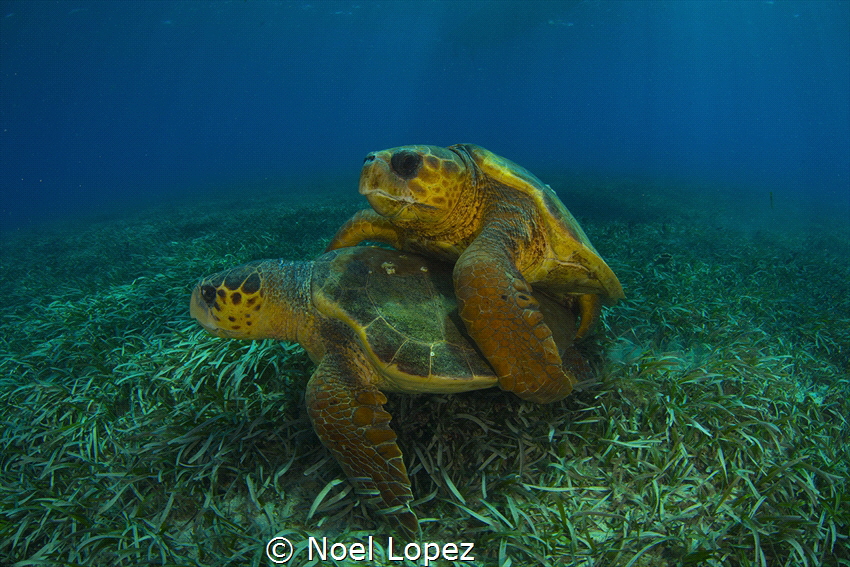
(202, 313)
(386, 192)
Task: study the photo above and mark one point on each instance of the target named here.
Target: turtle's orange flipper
(348, 416)
(590, 308)
(503, 317)
(365, 225)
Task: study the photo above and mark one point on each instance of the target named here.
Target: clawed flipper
(348, 416)
(503, 317)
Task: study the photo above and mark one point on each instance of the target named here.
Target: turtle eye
(208, 293)
(406, 163)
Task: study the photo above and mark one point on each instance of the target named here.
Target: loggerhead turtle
(505, 230)
(373, 320)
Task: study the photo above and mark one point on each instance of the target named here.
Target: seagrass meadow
(715, 432)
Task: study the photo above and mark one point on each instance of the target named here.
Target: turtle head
(415, 185)
(236, 303)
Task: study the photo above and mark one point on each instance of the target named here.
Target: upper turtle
(505, 230)
(373, 320)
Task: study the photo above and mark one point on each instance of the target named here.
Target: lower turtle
(505, 230)
(373, 320)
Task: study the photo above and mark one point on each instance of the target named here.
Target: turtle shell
(402, 310)
(571, 247)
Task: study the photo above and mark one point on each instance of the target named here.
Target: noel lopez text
(280, 550)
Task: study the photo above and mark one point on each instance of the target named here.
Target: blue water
(113, 104)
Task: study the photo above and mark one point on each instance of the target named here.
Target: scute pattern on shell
(405, 314)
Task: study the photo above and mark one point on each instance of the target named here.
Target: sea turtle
(505, 230)
(373, 320)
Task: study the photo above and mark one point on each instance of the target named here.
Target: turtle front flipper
(503, 317)
(348, 416)
(365, 225)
